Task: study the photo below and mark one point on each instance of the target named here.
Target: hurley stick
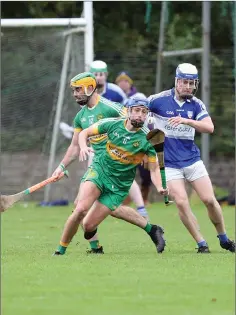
(7, 201)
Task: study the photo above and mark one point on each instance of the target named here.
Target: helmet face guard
(186, 84)
(186, 81)
(83, 82)
(136, 103)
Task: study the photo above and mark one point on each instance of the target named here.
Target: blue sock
(202, 243)
(142, 211)
(223, 238)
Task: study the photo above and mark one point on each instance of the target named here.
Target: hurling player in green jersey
(95, 109)
(107, 181)
(114, 93)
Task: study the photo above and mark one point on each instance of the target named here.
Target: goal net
(32, 61)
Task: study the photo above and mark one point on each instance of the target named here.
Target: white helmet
(187, 71)
(98, 66)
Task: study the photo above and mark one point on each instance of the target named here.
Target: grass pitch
(130, 279)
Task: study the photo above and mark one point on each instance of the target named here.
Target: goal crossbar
(43, 22)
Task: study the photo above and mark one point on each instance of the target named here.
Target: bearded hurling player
(178, 113)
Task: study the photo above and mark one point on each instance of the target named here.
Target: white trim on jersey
(161, 94)
(182, 131)
(111, 104)
(101, 121)
(145, 129)
(180, 103)
(197, 100)
(203, 108)
(202, 113)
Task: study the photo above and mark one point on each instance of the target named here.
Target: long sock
(148, 227)
(202, 243)
(223, 238)
(94, 244)
(62, 247)
(142, 211)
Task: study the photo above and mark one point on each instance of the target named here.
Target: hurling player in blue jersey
(108, 90)
(178, 113)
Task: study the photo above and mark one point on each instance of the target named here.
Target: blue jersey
(114, 93)
(179, 147)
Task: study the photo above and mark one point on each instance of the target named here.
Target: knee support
(88, 235)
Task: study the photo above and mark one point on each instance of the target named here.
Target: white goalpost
(76, 58)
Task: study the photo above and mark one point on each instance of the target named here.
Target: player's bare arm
(71, 154)
(83, 140)
(156, 178)
(205, 125)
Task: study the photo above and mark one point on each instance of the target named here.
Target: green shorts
(111, 196)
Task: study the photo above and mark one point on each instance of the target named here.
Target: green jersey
(88, 116)
(124, 150)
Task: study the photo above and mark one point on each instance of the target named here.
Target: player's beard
(136, 124)
(185, 96)
(83, 100)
